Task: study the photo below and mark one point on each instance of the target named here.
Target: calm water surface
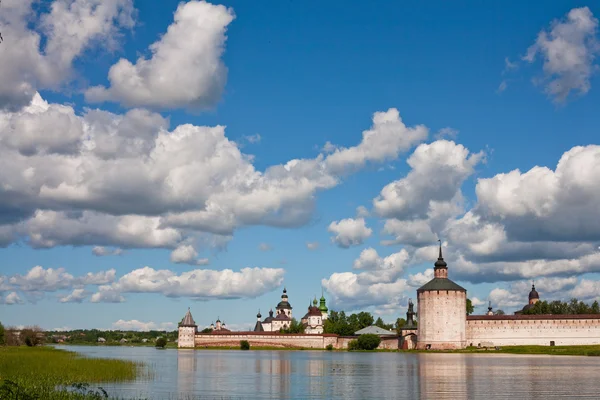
(229, 374)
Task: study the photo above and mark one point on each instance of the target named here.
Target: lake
(230, 374)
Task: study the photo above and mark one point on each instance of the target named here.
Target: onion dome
(315, 301)
(284, 304)
(258, 315)
(322, 305)
(440, 263)
(533, 294)
(218, 320)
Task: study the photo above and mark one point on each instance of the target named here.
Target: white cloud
(252, 139)
(107, 294)
(312, 245)
(362, 212)
(411, 232)
(419, 279)
(349, 232)
(475, 302)
(199, 284)
(446, 132)
(186, 254)
(384, 141)
(185, 70)
(379, 284)
(438, 171)
(102, 251)
(135, 325)
(129, 182)
(265, 247)
(39, 279)
(12, 299)
(40, 49)
(77, 296)
(568, 50)
(546, 205)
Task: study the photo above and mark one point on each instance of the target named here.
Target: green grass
(586, 350)
(38, 371)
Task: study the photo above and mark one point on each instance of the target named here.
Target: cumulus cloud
(349, 232)
(102, 251)
(446, 132)
(420, 278)
(76, 296)
(384, 141)
(40, 49)
(185, 69)
(39, 279)
(378, 284)
(12, 298)
(568, 51)
(200, 284)
(126, 181)
(438, 170)
(135, 325)
(542, 204)
(186, 254)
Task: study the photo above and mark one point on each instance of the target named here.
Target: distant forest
(559, 307)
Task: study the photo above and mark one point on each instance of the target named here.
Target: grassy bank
(587, 350)
(35, 372)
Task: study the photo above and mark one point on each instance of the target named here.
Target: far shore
(586, 350)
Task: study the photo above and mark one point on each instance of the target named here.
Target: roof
(282, 317)
(284, 304)
(314, 311)
(441, 284)
(188, 320)
(258, 327)
(375, 330)
(533, 294)
(522, 317)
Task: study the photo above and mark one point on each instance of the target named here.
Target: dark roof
(314, 311)
(269, 318)
(258, 327)
(284, 305)
(188, 320)
(441, 284)
(533, 294)
(282, 317)
(440, 263)
(531, 317)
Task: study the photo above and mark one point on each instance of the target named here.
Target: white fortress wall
(507, 330)
(441, 319)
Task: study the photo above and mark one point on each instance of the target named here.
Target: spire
(490, 306)
(440, 263)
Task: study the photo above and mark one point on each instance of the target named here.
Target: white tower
(442, 311)
(187, 331)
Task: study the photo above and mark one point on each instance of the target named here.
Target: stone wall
(442, 316)
(233, 339)
(186, 336)
(507, 330)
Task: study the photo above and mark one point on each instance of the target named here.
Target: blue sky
(483, 90)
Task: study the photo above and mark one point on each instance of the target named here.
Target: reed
(40, 372)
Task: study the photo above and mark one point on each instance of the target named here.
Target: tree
(244, 345)
(368, 341)
(295, 327)
(32, 336)
(400, 322)
(2, 335)
(206, 330)
(470, 308)
(161, 342)
(499, 312)
(383, 325)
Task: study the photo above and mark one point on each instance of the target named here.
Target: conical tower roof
(188, 320)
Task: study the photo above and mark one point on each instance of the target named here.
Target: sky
(156, 156)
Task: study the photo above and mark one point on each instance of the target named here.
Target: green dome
(322, 306)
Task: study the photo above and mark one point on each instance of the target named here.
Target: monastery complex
(442, 324)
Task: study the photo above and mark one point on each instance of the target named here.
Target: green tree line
(573, 306)
(345, 325)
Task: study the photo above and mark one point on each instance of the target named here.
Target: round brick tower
(441, 311)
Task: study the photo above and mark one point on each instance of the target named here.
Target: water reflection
(209, 374)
